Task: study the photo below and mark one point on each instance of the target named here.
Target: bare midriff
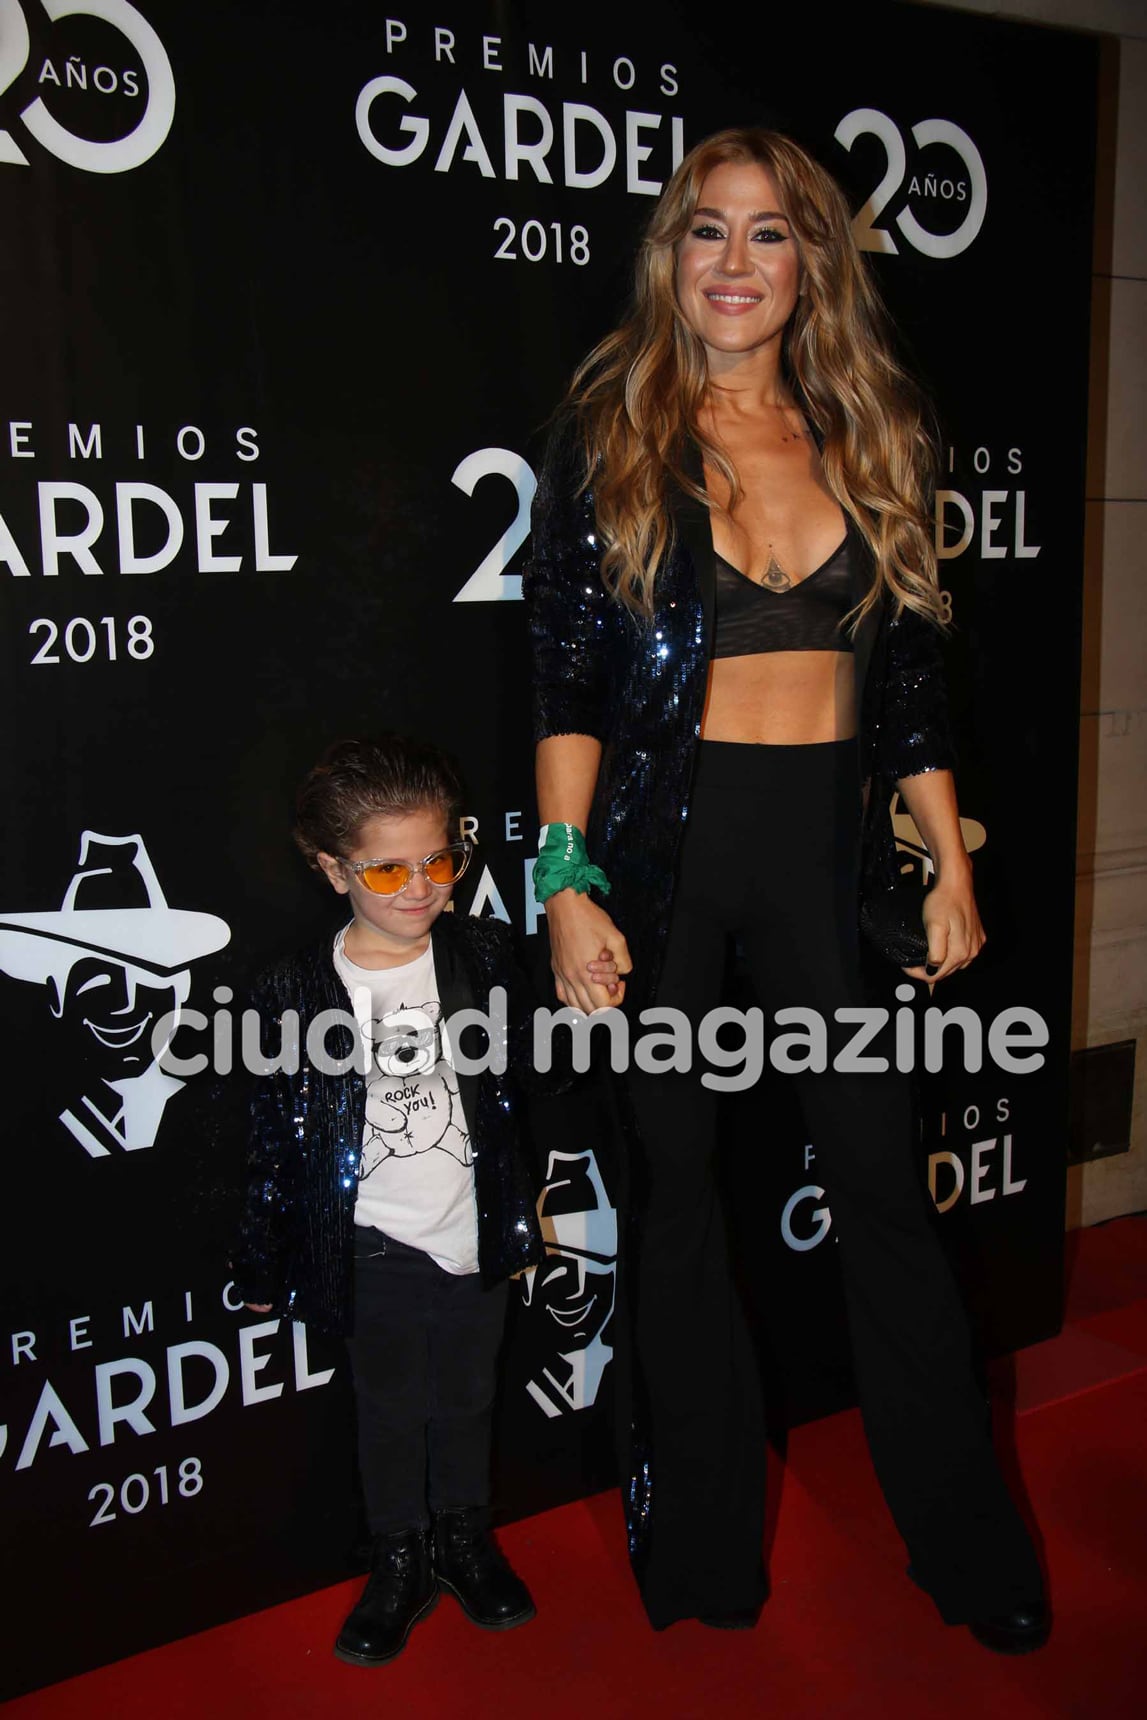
(781, 698)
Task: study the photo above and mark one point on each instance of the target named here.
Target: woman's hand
(952, 921)
(588, 954)
(259, 1307)
(951, 918)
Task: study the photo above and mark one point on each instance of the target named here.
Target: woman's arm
(951, 919)
(583, 939)
(914, 749)
(567, 767)
(571, 623)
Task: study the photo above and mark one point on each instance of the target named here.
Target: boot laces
(393, 1563)
(477, 1549)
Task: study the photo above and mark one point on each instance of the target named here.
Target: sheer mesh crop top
(751, 619)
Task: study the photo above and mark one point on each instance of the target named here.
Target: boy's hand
(602, 970)
(258, 1307)
(578, 926)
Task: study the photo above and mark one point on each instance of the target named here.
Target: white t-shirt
(416, 1174)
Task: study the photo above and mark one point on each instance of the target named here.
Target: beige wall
(1110, 999)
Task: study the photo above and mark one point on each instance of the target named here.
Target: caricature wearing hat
(575, 1286)
(116, 959)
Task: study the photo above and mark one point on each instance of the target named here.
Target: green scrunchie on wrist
(563, 864)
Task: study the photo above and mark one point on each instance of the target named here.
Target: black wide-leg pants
(771, 855)
(424, 1357)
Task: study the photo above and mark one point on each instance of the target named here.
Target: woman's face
(738, 266)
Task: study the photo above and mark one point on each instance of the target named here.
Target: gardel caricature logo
(575, 1286)
(114, 959)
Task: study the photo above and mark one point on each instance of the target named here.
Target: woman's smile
(724, 300)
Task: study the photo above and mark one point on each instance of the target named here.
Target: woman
(733, 604)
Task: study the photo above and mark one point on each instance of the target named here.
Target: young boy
(394, 1208)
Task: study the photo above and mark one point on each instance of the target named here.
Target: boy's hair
(387, 777)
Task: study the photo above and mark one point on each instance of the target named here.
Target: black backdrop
(330, 367)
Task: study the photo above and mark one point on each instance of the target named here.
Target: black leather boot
(399, 1591)
(468, 1562)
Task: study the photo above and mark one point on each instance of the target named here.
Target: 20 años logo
(117, 155)
(964, 186)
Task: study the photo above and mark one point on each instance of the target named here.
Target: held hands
(588, 954)
(952, 921)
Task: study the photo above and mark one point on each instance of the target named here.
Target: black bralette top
(807, 617)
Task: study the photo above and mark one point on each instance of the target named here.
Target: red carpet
(844, 1634)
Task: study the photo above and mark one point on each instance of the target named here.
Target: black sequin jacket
(295, 1248)
(639, 688)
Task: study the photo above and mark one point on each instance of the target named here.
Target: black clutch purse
(892, 919)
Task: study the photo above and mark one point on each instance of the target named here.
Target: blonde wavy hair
(638, 395)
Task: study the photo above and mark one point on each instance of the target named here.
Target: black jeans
(770, 854)
(424, 1359)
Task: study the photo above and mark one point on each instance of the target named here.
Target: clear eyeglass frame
(460, 850)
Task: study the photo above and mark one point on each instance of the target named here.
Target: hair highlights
(638, 395)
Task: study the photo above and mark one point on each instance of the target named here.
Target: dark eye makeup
(764, 235)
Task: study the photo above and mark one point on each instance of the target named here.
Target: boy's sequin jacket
(295, 1249)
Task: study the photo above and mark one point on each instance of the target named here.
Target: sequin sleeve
(268, 1215)
(913, 733)
(571, 620)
